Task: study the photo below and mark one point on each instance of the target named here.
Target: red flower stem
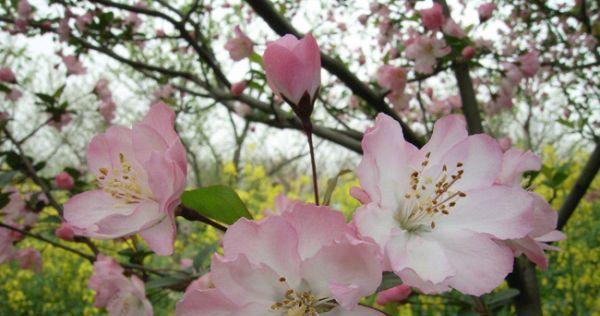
(308, 130)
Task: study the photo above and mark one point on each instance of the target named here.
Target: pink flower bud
(238, 88)
(64, 181)
(6, 75)
(468, 52)
(485, 11)
(240, 46)
(24, 9)
(453, 29)
(433, 18)
(396, 294)
(363, 18)
(293, 68)
(65, 232)
(107, 109)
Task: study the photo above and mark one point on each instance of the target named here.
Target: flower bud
(64, 181)
(293, 70)
(65, 232)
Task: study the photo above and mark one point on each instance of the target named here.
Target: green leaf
(388, 281)
(6, 177)
(58, 92)
(163, 282)
(256, 58)
(331, 184)
(45, 98)
(202, 255)
(217, 202)
(4, 199)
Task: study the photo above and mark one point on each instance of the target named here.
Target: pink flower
(393, 78)
(485, 11)
(425, 50)
(133, 20)
(141, 173)
(65, 231)
(29, 258)
(400, 101)
(240, 46)
(468, 52)
(292, 264)
(6, 75)
(119, 294)
(433, 18)
(15, 211)
(63, 30)
(107, 109)
(64, 181)
(101, 89)
(514, 163)
(363, 18)
(435, 212)
(24, 9)
(7, 250)
(74, 66)
(14, 95)
(513, 73)
(164, 92)
(393, 295)
(293, 68)
(453, 29)
(530, 63)
(238, 88)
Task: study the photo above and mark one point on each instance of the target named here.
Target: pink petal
(271, 241)
(145, 214)
(425, 256)
(161, 236)
(447, 132)
(86, 209)
(396, 294)
(347, 270)
(315, 227)
(209, 302)
(244, 282)
(382, 171)
(503, 212)
(481, 158)
(530, 248)
(361, 195)
(514, 163)
(480, 263)
(375, 222)
(166, 180)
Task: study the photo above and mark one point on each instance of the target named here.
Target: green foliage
(217, 202)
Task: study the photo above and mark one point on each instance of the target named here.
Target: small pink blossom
(101, 90)
(7, 250)
(119, 294)
(300, 261)
(530, 63)
(160, 33)
(393, 78)
(451, 28)
(399, 100)
(293, 67)
(133, 20)
(396, 294)
(238, 88)
(436, 212)
(7, 75)
(468, 52)
(14, 95)
(164, 92)
(63, 30)
(141, 173)
(74, 66)
(64, 181)
(363, 18)
(485, 11)
(24, 9)
(65, 232)
(107, 110)
(425, 50)
(240, 46)
(433, 18)
(29, 258)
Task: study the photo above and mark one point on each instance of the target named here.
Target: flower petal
(375, 222)
(210, 302)
(161, 236)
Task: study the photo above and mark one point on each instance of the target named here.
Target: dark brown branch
(581, 185)
(524, 279)
(192, 215)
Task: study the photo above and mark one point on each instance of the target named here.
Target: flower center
(428, 198)
(301, 303)
(120, 182)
